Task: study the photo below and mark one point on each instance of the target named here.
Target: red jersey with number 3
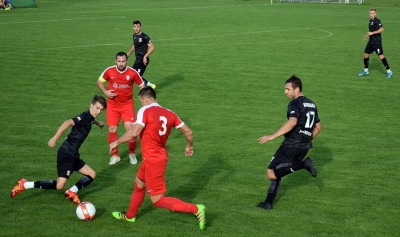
(122, 83)
(157, 122)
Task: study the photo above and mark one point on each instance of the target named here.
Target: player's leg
(136, 198)
(156, 188)
(379, 51)
(367, 51)
(64, 169)
(140, 67)
(89, 176)
(275, 181)
(112, 118)
(128, 117)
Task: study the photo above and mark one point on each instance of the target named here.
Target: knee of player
(271, 174)
(60, 185)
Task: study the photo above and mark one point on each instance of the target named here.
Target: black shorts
(67, 164)
(286, 155)
(369, 48)
(140, 67)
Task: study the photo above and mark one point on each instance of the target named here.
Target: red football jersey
(121, 83)
(157, 122)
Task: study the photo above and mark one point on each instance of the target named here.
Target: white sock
(388, 70)
(366, 69)
(74, 189)
(29, 185)
(149, 84)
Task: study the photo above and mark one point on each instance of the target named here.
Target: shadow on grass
(321, 156)
(198, 181)
(167, 81)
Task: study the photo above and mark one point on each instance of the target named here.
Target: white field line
(328, 34)
(66, 19)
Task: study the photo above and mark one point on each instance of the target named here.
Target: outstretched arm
(128, 135)
(68, 123)
(286, 127)
(189, 139)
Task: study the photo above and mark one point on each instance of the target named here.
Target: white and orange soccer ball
(86, 211)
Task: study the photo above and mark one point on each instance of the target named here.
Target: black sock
(145, 81)
(273, 190)
(46, 184)
(84, 181)
(366, 63)
(287, 168)
(385, 63)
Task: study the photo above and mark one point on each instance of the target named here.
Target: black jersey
(306, 113)
(78, 134)
(140, 42)
(374, 25)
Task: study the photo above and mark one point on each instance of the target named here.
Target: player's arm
(131, 50)
(286, 127)
(380, 30)
(150, 49)
(317, 130)
(128, 135)
(68, 123)
(100, 84)
(99, 123)
(189, 139)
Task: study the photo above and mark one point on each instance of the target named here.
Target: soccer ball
(86, 211)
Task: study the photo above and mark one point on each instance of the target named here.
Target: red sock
(175, 204)
(112, 137)
(136, 200)
(132, 146)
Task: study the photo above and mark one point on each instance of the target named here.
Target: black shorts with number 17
(369, 48)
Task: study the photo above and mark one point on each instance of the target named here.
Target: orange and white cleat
(18, 188)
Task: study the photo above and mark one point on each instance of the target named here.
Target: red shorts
(115, 112)
(152, 173)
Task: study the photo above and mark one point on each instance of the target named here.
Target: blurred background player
(68, 158)
(143, 47)
(154, 124)
(374, 43)
(120, 103)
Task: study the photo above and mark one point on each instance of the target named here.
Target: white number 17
(310, 116)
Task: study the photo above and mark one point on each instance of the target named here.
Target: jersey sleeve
(137, 78)
(293, 110)
(79, 120)
(146, 40)
(140, 116)
(104, 76)
(379, 23)
(177, 121)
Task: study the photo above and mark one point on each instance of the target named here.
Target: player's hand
(52, 142)
(264, 139)
(100, 124)
(145, 60)
(111, 94)
(113, 145)
(188, 151)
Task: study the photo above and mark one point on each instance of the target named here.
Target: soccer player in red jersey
(120, 104)
(154, 124)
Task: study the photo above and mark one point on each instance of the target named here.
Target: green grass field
(221, 66)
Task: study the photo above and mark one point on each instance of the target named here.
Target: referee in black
(374, 43)
(302, 126)
(143, 47)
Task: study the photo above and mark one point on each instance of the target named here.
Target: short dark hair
(100, 99)
(137, 22)
(147, 91)
(121, 54)
(295, 81)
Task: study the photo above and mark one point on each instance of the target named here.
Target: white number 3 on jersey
(163, 126)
